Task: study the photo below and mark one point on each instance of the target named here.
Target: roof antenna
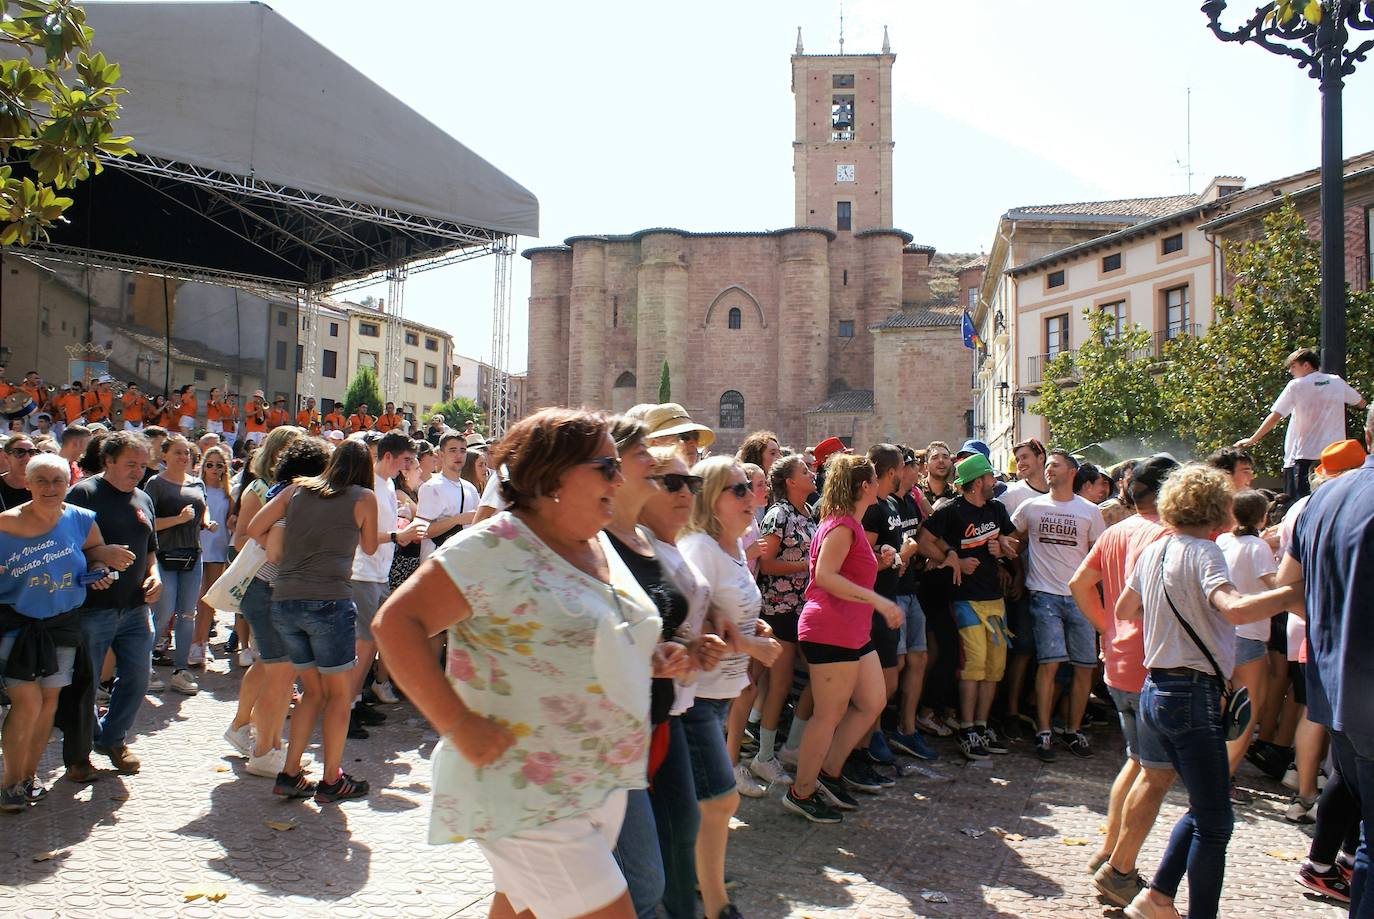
(841, 26)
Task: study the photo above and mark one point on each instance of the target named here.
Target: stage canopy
(265, 158)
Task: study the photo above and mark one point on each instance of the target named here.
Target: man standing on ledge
(1317, 402)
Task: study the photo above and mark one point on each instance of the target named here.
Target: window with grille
(1111, 262)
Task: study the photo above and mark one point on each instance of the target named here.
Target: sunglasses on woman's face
(608, 466)
(213, 466)
(674, 482)
(739, 489)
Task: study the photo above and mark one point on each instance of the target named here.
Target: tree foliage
(1221, 385)
(665, 385)
(1113, 393)
(58, 106)
(457, 412)
(363, 388)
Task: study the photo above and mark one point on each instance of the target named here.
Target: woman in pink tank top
(836, 622)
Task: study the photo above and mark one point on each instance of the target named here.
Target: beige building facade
(810, 330)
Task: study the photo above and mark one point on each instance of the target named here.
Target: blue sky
(623, 115)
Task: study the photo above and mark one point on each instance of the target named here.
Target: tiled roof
(922, 317)
(980, 262)
(1141, 208)
(851, 400)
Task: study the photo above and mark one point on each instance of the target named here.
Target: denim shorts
(913, 637)
(1142, 742)
(256, 609)
(368, 597)
(711, 769)
(1062, 633)
(1249, 649)
(66, 661)
(318, 634)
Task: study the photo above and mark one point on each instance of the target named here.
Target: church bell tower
(842, 154)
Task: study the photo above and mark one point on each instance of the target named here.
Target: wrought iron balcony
(1176, 330)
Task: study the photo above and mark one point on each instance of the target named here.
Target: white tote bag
(227, 592)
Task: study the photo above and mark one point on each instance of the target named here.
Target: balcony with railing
(1038, 364)
(1175, 331)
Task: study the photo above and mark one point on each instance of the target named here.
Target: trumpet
(49, 388)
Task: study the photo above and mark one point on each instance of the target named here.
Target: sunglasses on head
(674, 482)
(608, 466)
(739, 489)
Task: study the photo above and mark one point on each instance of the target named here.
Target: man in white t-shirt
(1030, 483)
(1317, 403)
(448, 501)
(1056, 531)
(372, 572)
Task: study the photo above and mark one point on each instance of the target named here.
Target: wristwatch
(392, 534)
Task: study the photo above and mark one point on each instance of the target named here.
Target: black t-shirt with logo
(910, 524)
(967, 530)
(885, 519)
(126, 519)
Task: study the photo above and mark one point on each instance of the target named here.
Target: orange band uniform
(359, 422)
(133, 407)
(337, 419)
(389, 422)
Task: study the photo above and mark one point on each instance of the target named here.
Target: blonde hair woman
(214, 545)
(834, 636)
(721, 514)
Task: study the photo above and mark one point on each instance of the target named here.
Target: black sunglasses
(674, 482)
(23, 451)
(740, 489)
(609, 466)
(689, 437)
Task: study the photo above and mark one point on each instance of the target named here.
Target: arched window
(735, 317)
(731, 409)
(625, 380)
(837, 385)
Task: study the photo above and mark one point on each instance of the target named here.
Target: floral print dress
(784, 594)
(560, 658)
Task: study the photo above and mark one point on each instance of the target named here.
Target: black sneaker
(368, 715)
(36, 792)
(293, 786)
(814, 808)
(835, 792)
(729, 911)
(1077, 742)
(992, 743)
(1044, 747)
(355, 729)
(344, 789)
(1329, 883)
(880, 776)
(859, 775)
(971, 744)
(1014, 729)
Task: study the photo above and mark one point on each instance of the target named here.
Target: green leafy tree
(58, 106)
(1221, 385)
(457, 412)
(665, 385)
(363, 388)
(1105, 390)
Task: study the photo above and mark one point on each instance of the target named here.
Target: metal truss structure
(395, 328)
(498, 387)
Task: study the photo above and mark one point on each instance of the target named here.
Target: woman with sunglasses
(834, 635)
(637, 850)
(544, 713)
(673, 792)
(214, 546)
(787, 531)
(721, 514)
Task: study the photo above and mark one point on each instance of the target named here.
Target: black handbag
(1235, 703)
(178, 559)
(454, 530)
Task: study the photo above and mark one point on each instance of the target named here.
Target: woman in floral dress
(544, 713)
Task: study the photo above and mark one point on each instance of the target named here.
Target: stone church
(826, 327)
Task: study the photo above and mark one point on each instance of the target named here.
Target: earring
(555, 498)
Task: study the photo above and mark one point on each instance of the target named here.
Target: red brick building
(826, 327)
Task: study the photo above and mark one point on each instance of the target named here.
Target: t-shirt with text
(967, 530)
(1059, 534)
(885, 519)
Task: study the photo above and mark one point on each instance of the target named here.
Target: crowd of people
(618, 632)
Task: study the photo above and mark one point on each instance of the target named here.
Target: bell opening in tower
(842, 116)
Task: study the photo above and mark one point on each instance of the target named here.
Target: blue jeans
(636, 852)
(1355, 757)
(129, 633)
(678, 817)
(180, 591)
(1185, 709)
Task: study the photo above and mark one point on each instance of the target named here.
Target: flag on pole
(971, 339)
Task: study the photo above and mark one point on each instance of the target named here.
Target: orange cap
(1342, 456)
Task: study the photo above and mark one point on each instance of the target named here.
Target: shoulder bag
(1235, 702)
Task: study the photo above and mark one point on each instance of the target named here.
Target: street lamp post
(1320, 49)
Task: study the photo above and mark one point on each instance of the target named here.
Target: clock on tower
(844, 173)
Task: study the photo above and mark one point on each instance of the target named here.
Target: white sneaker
(930, 725)
(183, 683)
(246, 657)
(241, 739)
(769, 771)
(196, 656)
(208, 655)
(1290, 778)
(1301, 811)
(787, 756)
(155, 683)
(267, 765)
(746, 784)
(384, 693)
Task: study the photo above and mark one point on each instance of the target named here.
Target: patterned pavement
(192, 822)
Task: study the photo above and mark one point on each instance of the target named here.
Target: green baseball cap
(971, 468)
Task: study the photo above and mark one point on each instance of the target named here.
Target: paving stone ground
(133, 846)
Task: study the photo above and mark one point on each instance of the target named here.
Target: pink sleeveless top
(827, 619)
